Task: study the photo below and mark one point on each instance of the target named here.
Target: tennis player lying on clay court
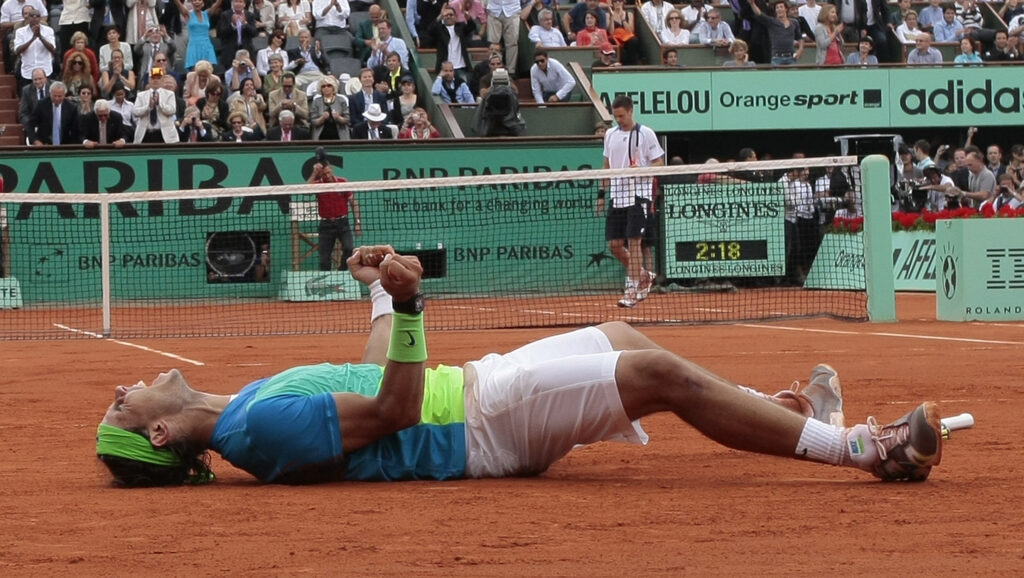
(390, 418)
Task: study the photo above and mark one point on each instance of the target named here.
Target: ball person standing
(333, 208)
(628, 144)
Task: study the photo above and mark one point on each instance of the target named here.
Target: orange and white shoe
(906, 449)
(822, 397)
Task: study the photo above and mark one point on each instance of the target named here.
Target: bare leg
(636, 258)
(618, 250)
(624, 337)
(654, 381)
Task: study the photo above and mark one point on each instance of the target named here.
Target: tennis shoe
(822, 398)
(646, 282)
(903, 450)
(825, 394)
(629, 297)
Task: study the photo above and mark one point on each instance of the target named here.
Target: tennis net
(734, 241)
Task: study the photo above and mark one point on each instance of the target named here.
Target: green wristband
(408, 344)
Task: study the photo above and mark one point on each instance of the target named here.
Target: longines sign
(731, 99)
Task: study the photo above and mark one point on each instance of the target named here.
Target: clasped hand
(399, 275)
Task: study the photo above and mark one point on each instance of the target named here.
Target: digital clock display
(721, 251)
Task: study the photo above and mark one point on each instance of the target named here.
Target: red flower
(907, 220)
(988, 211)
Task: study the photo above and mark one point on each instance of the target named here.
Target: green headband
(114, 441)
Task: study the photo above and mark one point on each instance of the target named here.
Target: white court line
(128, 344)
(883, 334)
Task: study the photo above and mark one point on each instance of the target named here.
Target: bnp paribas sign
(826, 98)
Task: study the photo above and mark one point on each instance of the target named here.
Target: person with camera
(333, 208)
(417, 126)
(242, 68)
(939, 186)
(193, 128)
(1005, 196)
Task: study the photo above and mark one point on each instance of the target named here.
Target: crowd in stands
(961, 177)
(242, 63)
(156, 71)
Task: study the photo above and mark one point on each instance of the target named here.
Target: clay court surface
(680, 506)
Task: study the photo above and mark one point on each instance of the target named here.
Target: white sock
(821, 442)
(859, 449)
(754, 392)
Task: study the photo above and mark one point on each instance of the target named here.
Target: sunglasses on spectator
(540, 60)
(674, 18)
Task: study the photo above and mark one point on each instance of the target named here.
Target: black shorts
(626, 222)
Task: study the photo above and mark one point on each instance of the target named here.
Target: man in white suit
(154, 112)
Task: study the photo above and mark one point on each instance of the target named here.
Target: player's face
(136, 406)
(623, 117)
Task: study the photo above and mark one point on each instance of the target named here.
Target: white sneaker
(629, 297)
(825, 394)
(646, 282)
(822, 397)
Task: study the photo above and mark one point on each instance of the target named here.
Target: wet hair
(623, 101)
(194, 468)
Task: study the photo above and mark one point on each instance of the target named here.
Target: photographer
(417, 126)
(193, 129)
(333, 208)
(1005, 195)
(939, 187)
(242, 68)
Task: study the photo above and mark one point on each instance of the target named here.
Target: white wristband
(381, 301)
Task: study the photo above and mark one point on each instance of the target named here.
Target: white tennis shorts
(530, 407)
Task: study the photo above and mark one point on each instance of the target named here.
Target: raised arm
(181, 8)
(216, 8)
(398, 403)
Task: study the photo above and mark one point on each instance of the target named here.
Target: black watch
(412, 306)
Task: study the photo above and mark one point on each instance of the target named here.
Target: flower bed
(925, 220)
